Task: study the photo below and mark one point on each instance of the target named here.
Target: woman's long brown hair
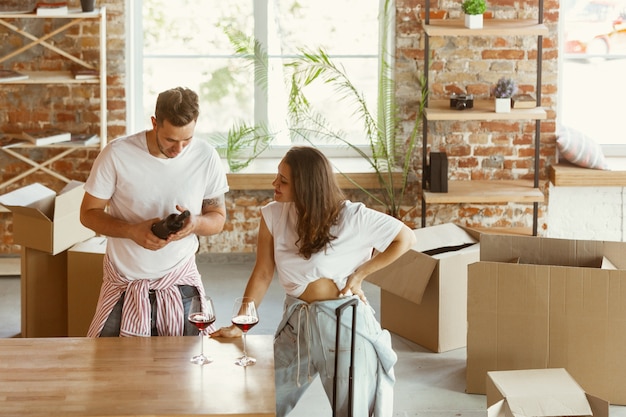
(317, 197)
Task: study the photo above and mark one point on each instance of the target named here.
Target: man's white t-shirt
(141, 186)
(359, 231)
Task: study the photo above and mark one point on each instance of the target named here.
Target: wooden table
(134, 377)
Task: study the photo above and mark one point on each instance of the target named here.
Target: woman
(321, 246)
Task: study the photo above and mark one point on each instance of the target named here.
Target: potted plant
(474, 10)
(503, 91)
(390, 156)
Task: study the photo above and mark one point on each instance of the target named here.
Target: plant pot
(503, 105)
(474, 21)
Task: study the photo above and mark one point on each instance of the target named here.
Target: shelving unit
(74, 17)
(491, 191)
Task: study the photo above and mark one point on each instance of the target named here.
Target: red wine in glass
(201, 320)
(245, 317)
(245, 323)
(201, 315)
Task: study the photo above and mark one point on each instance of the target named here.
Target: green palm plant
(389, 154)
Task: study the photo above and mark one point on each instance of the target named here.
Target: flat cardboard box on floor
(540, 393)
(46, 221)
(423, 297)
(43, 293)
(84, 279)
(546, 303)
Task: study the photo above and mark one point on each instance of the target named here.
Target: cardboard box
(424, 294)
(43, 293)
(84, 279)
(538, 393)
(44, 221)
(545, 303)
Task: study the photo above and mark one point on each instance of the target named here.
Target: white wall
(589, 213)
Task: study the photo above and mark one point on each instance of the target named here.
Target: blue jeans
(304, 347)
(112, 326)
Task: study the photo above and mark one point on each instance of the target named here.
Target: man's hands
(142, 234)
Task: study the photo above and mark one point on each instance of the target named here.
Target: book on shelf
(46, 136)
(83, 139)
(85, 73)
(58, 8)
(524, 101)
(10, 75)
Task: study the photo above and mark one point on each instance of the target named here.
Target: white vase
(474, 21)
(503, 105)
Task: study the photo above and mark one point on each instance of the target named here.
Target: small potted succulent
(474, 10)
(503, 91)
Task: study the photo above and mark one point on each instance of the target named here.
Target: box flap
(541, 392)
(499, 409)
(606, 264)
(35, 200)
(96, 244)
(407, 277)
(69, 199)
(446, 235)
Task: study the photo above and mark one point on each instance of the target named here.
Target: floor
(428, 384)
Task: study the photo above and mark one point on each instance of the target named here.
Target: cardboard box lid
(38, 201)
(96, 244)
(408, 276)
(536, 393)
(35, 200)
(66, 201)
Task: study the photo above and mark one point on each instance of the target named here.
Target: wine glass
(202, 315)
(245, 317)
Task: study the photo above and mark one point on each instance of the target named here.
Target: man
(137, 180)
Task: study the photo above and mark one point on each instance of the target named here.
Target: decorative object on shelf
(81, 73)
(83, 139)
(46, 136)
(438, 172)
(523, 101)
(10, 75)
(579, 149)
(88, 5)
(474, 10)
(503, 91)
(52, 8)
(461, 101)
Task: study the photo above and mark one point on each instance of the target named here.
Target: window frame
(134, 68)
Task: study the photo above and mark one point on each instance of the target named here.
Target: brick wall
(459, 64)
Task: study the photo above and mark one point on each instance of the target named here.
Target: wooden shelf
(18, 23)
(74, 13)
(51, 77)
(262, 171)
(482, 110)
(487, 192)
(491, 27)
(567, 175)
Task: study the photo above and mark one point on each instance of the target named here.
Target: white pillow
(580, 149)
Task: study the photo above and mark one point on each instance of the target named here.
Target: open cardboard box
(423, 297)
(538, 303)
(46, 221)
(539, 393)
(84, 279)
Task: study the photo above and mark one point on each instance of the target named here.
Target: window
(183, 43)
(592, 87)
